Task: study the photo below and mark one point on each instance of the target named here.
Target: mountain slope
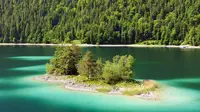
(100, 21)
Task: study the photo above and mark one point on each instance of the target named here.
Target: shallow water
(176, 69)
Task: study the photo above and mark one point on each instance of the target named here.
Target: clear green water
(177, 69)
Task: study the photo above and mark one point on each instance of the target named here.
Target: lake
(177, 70)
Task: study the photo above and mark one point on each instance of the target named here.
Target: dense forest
(100, 21)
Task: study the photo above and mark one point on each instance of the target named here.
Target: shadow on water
(16, 74)
(6, 63)
(28, 104)
(14, 86)
(188, 85)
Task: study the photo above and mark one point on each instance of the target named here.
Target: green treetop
(68, 61)
(87, 66)
(65, 61)
(118, 70)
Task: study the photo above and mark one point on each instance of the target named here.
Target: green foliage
(76, 41)
(89, 67)
(65, 61)
(68, 61)
(99, 68)
(1, 40)
(80, 78)
(118, 70)
(50, 68)
(100, 21)
(150, 42)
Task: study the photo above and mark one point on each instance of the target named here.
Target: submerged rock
(148, 96)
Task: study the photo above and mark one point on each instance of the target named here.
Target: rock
(46, 78)
(115, 92)
(148, 96)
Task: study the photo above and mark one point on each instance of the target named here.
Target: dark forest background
(100, 21)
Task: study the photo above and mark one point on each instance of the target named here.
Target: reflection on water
(18, 92)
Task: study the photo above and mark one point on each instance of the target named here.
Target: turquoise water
(176, 69)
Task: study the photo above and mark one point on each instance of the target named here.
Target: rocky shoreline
(71, 84)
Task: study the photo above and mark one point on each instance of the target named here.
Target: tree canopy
(90, 67)
(100, 21)
(118, 70)
(65, 61)
(69, 61)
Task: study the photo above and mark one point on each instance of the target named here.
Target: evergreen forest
(167, 22)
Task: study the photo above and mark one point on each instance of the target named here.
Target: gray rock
(46, 78)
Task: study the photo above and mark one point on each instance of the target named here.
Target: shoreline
(105, 45)
(71, 84)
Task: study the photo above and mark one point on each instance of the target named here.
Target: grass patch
(85, 80)
(103, 90)
(98, 83)
(80, 78)
(150, 85)
(137, 88)
(131, 92)
(127, 84)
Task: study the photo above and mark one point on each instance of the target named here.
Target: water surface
(177, 69)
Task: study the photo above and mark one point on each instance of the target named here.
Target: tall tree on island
(89, 67)
(65, 61)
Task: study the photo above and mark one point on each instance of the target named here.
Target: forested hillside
(100, 21)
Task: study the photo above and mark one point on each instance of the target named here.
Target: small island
(85, 73)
